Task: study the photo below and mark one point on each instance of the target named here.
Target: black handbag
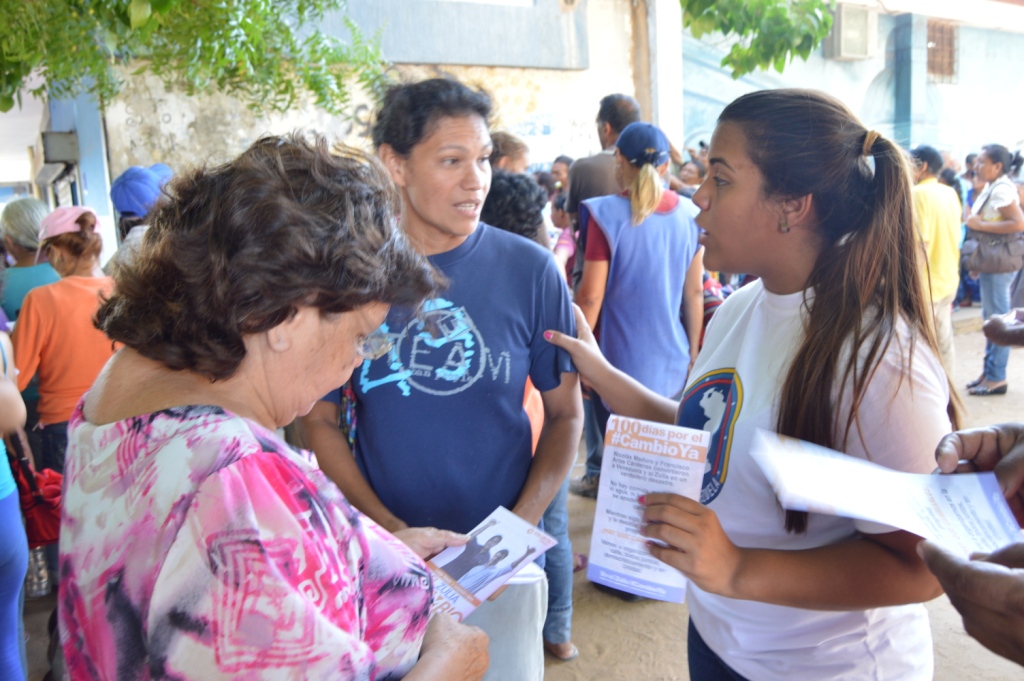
(990, 253)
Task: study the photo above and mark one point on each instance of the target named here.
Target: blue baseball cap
(162, 171)
(135, 191)
(643, 143)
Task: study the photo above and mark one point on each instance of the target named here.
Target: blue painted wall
(82, 115)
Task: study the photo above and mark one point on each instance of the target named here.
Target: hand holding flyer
(963, 513)
(498, 548)
(641, 457)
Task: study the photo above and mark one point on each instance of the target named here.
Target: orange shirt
(55, 337)
(534, 406)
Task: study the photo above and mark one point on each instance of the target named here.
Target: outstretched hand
(988, 592)
(998, 448)
(427, 542)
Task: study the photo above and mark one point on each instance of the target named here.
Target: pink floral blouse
(196, 544)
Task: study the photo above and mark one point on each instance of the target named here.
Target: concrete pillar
(911, 67)
(83, 116)
(658, 64)
(665, 30)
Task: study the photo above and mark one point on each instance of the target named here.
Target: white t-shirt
(993, 196)
(734, 389)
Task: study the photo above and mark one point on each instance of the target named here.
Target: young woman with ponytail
(832, 345)
(642, 284)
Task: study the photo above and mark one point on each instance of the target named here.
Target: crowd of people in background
(308, 370)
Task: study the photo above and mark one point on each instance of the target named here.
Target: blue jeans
(995, 299)
(705, 665)
(13, 566)
(595, 419)
(559, 565)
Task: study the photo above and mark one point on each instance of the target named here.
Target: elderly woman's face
(446, 178)
(327, 348)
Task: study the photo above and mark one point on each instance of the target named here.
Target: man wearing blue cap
(133, 194)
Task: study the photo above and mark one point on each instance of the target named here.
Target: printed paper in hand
(641, 457)
(963, 513)
(499, 547)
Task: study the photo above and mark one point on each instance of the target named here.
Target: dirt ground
(647, 640)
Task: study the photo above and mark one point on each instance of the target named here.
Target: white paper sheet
(963, 513)
(641, 457)
(501, 547)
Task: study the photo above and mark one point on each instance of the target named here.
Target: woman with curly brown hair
(196, 543)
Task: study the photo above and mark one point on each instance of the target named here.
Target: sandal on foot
(975, 383)
(574, 652)
(579, 562)
(984, 390)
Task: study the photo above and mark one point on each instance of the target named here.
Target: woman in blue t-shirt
(442, 437)
(19, 224)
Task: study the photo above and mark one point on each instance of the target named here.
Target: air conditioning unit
(854, 33)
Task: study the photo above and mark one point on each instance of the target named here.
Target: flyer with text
(498, 548)
(963, 513)
(641, 457)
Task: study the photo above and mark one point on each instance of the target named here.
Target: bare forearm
(852, 575)
(1001, 227)
(591, 306)
(628, 397)
(593, 287)
(12, 408)
(429, 668)
(337, 462)
(693, 313)
(555, 452)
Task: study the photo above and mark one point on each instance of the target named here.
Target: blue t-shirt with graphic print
(442, 436)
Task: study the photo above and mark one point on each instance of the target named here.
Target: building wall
(554, 109)
(984, 106)
(978, 109)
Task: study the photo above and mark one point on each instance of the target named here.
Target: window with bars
(942, 52)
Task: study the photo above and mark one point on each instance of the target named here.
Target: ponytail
(868, 276)
(85, 243)
(645, 193)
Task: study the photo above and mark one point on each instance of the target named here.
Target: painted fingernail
(549, 335)
(642, 499)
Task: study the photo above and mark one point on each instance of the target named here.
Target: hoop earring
(784, 227)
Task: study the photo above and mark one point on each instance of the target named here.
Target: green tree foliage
(268, 53)
(770, 33)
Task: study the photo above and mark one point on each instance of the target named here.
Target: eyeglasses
(374, 346)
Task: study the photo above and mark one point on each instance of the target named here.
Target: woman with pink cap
(55, 336)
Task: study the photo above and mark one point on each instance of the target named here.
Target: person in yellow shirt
(937, 216)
